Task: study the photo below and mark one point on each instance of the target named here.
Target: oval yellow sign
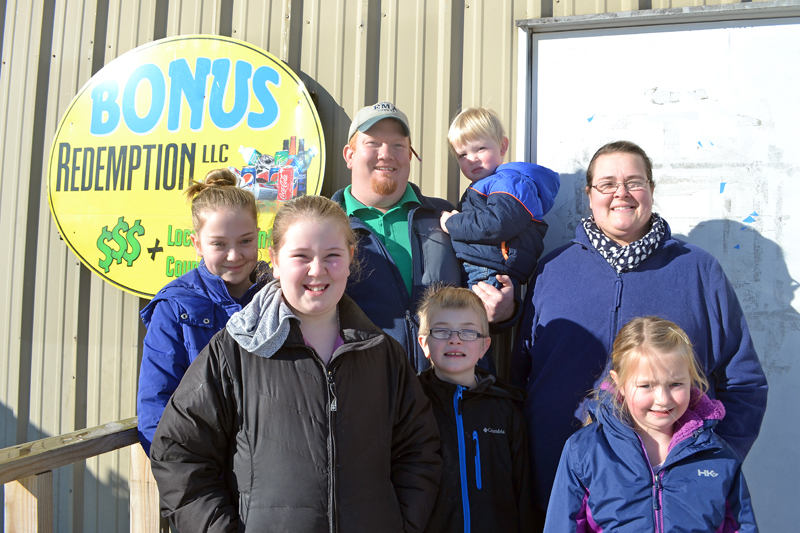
(158, 116)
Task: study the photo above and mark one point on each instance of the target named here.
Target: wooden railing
(27, 472)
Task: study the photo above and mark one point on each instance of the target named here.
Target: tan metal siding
(186, 17)
(17, 88)
(333, 65)
(94, 505)
(70, 344)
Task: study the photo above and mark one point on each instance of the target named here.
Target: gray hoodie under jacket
(262, 436)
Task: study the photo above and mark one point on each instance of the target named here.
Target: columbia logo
(500, 431)
(707, 473)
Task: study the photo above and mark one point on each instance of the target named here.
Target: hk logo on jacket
(707, 473)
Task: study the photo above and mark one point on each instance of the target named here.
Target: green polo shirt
(390, 227)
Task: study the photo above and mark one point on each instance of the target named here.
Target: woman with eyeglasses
(624, 263)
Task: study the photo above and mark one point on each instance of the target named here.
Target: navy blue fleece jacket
(577, 306)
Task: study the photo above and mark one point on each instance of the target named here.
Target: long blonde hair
(656, 340)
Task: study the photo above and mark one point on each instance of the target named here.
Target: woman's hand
(499, 303)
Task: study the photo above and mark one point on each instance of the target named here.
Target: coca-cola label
(285, 183)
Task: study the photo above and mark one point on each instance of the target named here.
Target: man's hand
(499, 303)
(444, 217)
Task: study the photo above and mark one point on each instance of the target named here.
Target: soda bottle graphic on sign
(250, 155)
(303, 159)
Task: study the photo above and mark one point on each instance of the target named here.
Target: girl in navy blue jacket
(649, 459)
(188, 311)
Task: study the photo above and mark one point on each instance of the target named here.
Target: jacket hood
(263, 325)
(542, 181)
(703, 412)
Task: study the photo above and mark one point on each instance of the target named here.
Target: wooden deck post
(145, 515)
(29, 504)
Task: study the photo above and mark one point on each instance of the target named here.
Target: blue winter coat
(379, 290)
(500, 221)
(180, 320)
(485, 478)
(578, 305)
(605, 481)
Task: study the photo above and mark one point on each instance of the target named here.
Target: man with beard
(402, 249)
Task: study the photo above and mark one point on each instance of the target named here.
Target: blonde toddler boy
(498, 226)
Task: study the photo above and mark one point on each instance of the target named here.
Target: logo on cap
(385, 106)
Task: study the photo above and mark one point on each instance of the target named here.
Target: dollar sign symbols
(105, 235)
(136, 248)
(116, 234)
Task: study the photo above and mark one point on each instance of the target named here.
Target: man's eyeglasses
(610, 187)
(444, 334)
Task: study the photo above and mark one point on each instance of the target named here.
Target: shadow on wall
(68, 483)
(336, 124)
(570, 207)
(757, 269)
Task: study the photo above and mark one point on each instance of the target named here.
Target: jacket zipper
(617, 303)
(411, 333)
(411, 329)
(477, 459)
(659, 513)
(658, 517)
(332, 403)
(617, 294)
(462, 455)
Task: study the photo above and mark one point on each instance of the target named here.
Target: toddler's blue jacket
(500, 222)
(379, 290)
(180, 320)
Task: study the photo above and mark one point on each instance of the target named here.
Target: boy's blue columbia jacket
(485, 474)
(605, 481)
(180, 320)
(500, 222)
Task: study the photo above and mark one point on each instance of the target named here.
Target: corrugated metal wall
(70, 344)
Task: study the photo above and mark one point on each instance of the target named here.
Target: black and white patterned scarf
(625, 258)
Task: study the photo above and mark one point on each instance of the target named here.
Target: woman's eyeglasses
(610, 187)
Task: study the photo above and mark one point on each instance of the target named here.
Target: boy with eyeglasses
(485, 481)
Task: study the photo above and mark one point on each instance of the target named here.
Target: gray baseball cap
(368, 116)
